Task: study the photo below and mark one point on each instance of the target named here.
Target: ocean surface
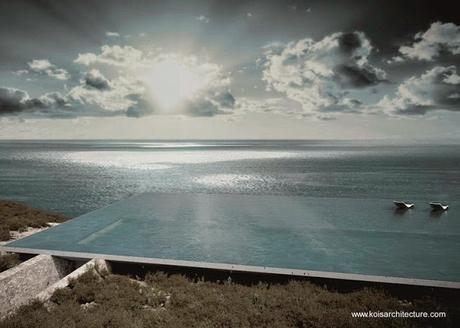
(74, 177)
(345, 222)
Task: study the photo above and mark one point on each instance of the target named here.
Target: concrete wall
(97, 264)
(26, 280)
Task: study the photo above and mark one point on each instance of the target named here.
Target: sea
(74, 177)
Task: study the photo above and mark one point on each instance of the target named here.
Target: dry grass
(109, 300)
(18, 217)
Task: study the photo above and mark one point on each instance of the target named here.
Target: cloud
(436, 89)
(320, 75)
(139, 107)
(277, 105)
(21, 72)
(210, 103)
(114, 100)
(205, 89)
(136, 91)
(44, 67)
(112, 34)
(202, 18)
(433, 42)
(112, 55)
(395, 59)
(95, 79)
(213, 96)
(14, 101)
(79, 102)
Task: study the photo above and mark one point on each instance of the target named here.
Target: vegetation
(18, 217)
(8, 261)
(108, 300)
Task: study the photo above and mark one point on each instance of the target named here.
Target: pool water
(362, 236)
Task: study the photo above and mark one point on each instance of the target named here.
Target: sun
(171, 81)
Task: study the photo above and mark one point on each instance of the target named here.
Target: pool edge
(241, 268)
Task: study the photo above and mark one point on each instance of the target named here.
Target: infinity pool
(325, 234)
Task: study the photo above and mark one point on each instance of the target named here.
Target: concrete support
(24, 281)
(97, 264)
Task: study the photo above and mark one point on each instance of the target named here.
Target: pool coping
(241, 268)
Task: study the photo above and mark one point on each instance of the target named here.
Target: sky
(229, 69)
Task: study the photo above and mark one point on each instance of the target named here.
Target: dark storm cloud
(50, 105)
(349, 42)
(49, 101)
(225, 99)
(13, 101)
(357, 73)
(353, 76)
(319, 74)
(210, 104)
(95, 79)
(347, 106)
(203, 108)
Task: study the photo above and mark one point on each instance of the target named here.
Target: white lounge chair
(403, 205)
(439, 206)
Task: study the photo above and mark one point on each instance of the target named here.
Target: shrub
(175, 301)
(18, 217)
(8, 261)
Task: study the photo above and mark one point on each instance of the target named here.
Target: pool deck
(240, 268)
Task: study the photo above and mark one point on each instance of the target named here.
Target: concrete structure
(97, 264)
(39, 277)
(21, 283)
(245, 268)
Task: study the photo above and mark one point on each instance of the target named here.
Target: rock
(88, 306)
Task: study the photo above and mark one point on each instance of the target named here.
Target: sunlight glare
(171, 81)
